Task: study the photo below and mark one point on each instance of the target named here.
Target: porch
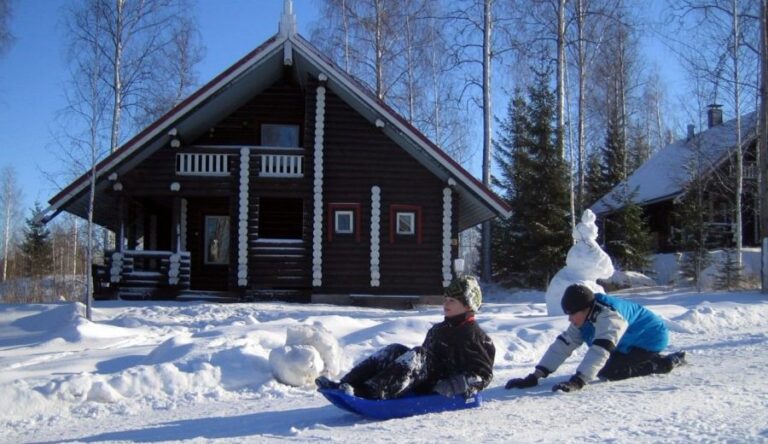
(142, 274)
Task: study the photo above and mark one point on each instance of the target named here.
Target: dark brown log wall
(358, 156)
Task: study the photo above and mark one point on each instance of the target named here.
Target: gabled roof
(254, 73)
(666, 174)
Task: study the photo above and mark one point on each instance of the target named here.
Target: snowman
(585, 264)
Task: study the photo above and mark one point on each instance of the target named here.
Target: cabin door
(210, 243)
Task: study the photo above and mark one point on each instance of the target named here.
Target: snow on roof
(665, 174)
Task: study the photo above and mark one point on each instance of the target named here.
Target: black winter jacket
(458, 346)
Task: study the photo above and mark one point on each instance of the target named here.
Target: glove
(529, 381)
(573, 384)
(450, 387)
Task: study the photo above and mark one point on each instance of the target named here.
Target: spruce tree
(690, 212)
(36, 249)
(729, 274)
(628, 237)
(606, 166)
(534, 178)
(596, 184)
(502, 245)
(614, 153)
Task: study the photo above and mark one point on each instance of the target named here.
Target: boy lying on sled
(455, 358)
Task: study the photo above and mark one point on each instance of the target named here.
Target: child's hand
(529, 381)
(452, 386)
(573, 384)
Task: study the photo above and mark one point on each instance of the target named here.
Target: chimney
(691, 132)
(714, 115)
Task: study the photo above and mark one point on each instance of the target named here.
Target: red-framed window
(344, 220)
(404, 222)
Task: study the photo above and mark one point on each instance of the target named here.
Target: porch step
(277, 294)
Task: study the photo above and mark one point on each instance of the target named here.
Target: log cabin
(281, 178)
(660, 184)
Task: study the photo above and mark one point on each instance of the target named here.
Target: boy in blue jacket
(624, 339)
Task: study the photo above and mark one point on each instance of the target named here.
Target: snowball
(585, 264)
(322, 340)
(296, 365)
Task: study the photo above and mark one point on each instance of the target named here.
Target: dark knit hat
(577, 297)
(467, 290)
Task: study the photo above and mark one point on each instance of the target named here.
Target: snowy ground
(169, 372)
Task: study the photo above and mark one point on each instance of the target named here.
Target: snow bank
(710, 318)
(193, 371)
(667, 268)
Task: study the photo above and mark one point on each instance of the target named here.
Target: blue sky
(33, 72)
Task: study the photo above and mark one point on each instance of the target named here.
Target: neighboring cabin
(662, 181)
(281, 178)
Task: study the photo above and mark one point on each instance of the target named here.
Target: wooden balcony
(281, 165)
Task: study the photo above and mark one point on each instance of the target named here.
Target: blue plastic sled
(400, 407)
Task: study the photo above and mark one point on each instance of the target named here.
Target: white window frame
(400, 230)
(337, 215)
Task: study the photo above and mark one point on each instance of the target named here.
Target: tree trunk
(739, 161)
(575, 194)
(581, 141)
(379, 52)
(762, 128)
(117, 104)
(6, 237)
(487, 130)
(561, 78)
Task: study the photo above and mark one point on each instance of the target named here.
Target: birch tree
(762, 128)
(139, 43)
(725, 49)
(10, 200)
(482, 35)
(734, 52)
(88, 110)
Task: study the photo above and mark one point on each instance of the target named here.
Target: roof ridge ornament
(287, 27)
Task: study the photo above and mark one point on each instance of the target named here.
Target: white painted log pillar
(242, 227)
(447, 216)
(317, 220)
(375, 236)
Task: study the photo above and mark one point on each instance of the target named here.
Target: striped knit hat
(467, 290)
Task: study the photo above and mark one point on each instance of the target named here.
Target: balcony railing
(281, 165)
(202, 164)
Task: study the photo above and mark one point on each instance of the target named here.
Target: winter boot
(677, 359)
(670, 361)
(322, 382)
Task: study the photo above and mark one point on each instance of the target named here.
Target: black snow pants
(390, 372)
(636, 362)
